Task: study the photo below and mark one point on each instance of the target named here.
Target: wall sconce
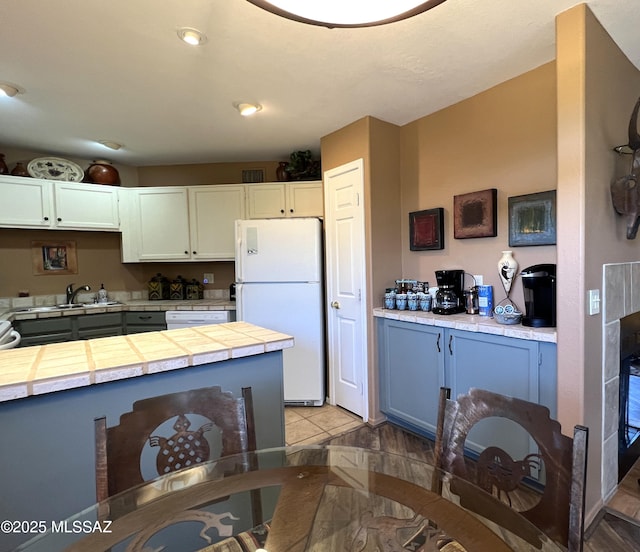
(346, 13)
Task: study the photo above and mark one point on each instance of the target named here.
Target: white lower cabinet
(36, 203)
(186, 223)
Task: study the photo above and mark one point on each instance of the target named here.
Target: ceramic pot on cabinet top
(102, 172)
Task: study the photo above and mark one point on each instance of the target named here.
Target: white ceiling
(115, 70)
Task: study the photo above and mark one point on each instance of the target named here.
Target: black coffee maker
(450, 295)
(539, 286)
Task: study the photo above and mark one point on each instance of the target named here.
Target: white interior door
(345, 260)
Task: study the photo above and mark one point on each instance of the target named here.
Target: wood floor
(611, 532)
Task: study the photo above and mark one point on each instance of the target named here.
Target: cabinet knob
(291, 210)
(186, 252)
(59, 219)
(194, 252)
(46, 218)
(282, 211)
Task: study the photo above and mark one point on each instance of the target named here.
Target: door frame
(356, 165)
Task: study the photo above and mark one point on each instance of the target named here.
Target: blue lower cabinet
(416, 360)
(411, 373)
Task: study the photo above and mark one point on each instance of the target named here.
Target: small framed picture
(426, 229)
(475, 215)
(532, 219)
(54, 257)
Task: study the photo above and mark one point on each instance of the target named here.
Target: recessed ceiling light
(8, 90)
(191, 36)
(247, 109)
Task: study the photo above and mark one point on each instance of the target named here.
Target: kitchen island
(51, 394)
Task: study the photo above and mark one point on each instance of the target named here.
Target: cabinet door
(266, 201)
(162, 217)
(411, 373)
(500, 364)
(86, 206)
(305, 199)
(25, 202)
(213, 211)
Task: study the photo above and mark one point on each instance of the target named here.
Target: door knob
(335, 304)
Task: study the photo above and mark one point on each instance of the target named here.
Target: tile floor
(306, 425)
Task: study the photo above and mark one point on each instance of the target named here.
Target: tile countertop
(133, 305)
(469, 323)
(55, 367)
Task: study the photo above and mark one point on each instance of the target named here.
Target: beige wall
(503, 138)
(378, 144)
(205, 173)
(128, 174)
(597, 88)
(98, 262)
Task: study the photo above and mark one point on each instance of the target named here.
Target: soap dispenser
(102, 294)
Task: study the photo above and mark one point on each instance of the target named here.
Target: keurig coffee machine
(449, 297)
(539, 286)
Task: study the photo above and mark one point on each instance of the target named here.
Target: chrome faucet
(71, 293)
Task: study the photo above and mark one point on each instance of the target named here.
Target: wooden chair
(559, 510)
(119, 448)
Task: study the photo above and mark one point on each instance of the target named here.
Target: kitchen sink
(107, 304)
(66, 306)
(34, 309)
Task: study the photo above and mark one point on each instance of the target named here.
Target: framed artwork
(54, 257)
(475, 215)
(532, 219)
(426, 229)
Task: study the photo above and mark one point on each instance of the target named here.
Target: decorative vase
(20, 170)
(102, 172)
(281, 172)
(3, 166)
(507, 269)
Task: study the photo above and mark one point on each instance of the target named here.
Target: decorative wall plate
(55, 168)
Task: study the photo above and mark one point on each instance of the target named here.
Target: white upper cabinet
(213, 211)
(156, 224)
(290, 199)
(86, 206)
(25, 203)
(35, 203)
(187, 223)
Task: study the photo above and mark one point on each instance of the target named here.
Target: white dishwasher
(188, 319)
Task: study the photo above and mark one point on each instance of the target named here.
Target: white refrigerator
(279, 285)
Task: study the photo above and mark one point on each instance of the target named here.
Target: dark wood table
(314, 498)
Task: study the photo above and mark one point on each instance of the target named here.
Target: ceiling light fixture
(346, 13)
(247, 109)
(8, 90)
(110, 144)
(191, 36)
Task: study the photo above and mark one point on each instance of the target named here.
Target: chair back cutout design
(559, 512)
(119, 448)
